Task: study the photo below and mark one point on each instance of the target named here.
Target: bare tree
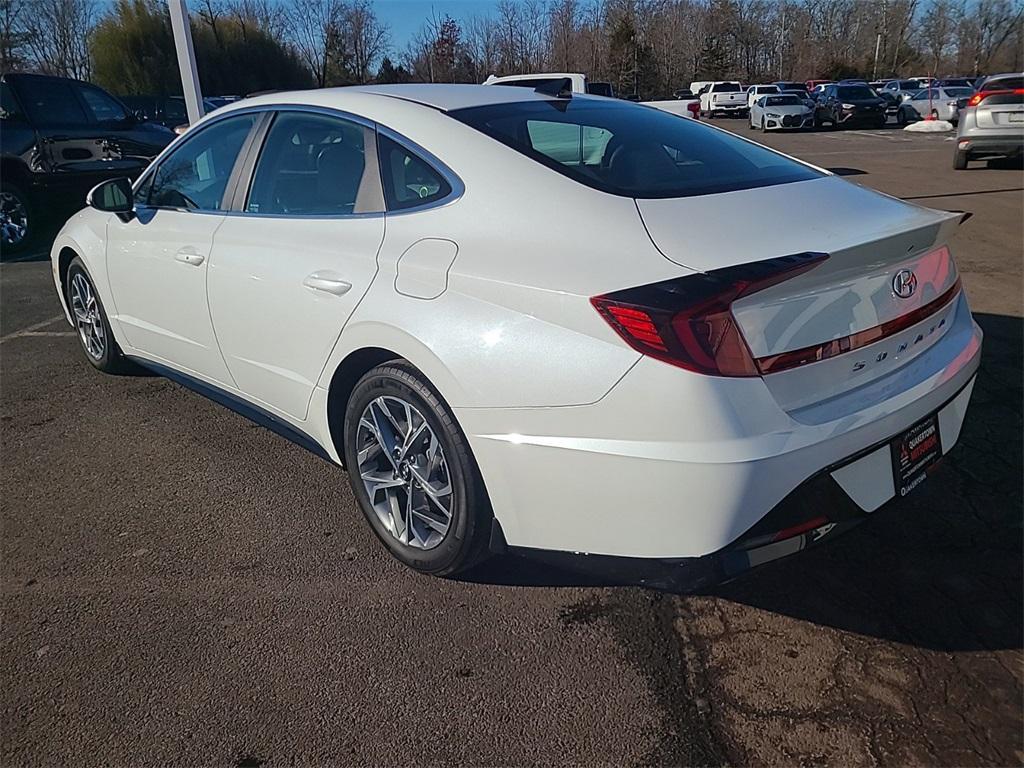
(937, 30)
(57, 36)
(367, 38)
(13, 36)
(315, 29)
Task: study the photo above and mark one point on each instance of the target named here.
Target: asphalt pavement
(179, 586)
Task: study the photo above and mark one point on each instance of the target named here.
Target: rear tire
(429, 506)
(960, 160)
(17, 220)
(90, 319)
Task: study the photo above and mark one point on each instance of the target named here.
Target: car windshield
(725, 88)
(782, 101)
(792, 87)
(909, 85)
(632, 151)
(851, 92)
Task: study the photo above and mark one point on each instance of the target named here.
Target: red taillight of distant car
(980, 96)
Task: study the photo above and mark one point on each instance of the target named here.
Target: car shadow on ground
(940, 570)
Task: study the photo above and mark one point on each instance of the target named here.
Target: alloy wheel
(403, 468)
(13, 219)
(88, 319)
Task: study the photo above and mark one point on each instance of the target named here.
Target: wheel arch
(13, 169)
(369, 345)
(65, 256)
(348, 372)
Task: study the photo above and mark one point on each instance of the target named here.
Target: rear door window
(632, 150)
(310, 165)
(104, 107)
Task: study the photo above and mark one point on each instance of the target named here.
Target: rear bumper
(1003, 144)
(671, 465)
(820, 509)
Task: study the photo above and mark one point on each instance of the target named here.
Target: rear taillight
(694, 108)
(980, 96)
(688, 321)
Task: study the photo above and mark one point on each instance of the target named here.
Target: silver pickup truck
(723, 98)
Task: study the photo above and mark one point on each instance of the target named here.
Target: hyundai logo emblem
(904, 284)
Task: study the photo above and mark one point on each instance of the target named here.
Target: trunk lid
(848, 301)
(1003, 112)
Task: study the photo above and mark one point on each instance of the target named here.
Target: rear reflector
(688, 321)
(804, 527)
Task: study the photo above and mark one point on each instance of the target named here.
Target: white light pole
(186, 60)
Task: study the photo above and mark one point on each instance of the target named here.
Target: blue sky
(405, 17)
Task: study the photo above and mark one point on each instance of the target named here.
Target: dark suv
(58, 139)
(845, 104)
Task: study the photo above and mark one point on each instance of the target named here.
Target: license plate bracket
(914, 452)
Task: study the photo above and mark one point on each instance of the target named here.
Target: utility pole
(878, 43)
(186, 60)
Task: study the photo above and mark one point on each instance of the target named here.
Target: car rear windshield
(855, 92)
(725, 88)
(909, 85)
(1003, 83)
(632, 150)
(783, 101)
(792, 86)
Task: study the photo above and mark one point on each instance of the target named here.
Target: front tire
(90, 319)
(413, 473)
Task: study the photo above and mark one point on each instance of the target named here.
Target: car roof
(450, 96)
(16, 76)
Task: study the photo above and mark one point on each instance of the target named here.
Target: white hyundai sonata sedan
(560, 325)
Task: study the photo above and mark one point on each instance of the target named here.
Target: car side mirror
(113, 196)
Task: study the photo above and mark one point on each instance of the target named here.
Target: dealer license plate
(913, 452)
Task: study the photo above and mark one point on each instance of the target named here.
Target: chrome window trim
(458, 189)
(259, 129)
